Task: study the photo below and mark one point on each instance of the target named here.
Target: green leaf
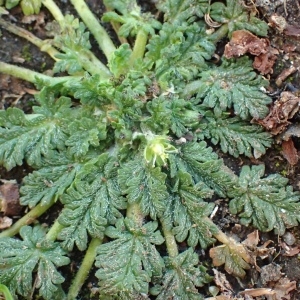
(203, 165)
(119, 62)
(93, 200)
(237, 17)
(144, 185)
(267, 202)
(234, 135)
(182, 277)
(20, 259)
(131, 17)
(127, 263)
(179, 53)
(74, 43)
(233, 84)
(32, 136)
(30, 7)
(179, 11)
(47, 183)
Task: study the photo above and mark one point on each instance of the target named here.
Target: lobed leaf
(203, 165)
(236, 16)
(180, 11)
(144, 185)
(182, 277)
(267, 202)
(93, 200)
(127, 263)
(32, 136)
(179, 53)
(233, 255)
(234, 135)
(231, 85)
(20, 259)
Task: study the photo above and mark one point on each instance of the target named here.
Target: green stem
(30, 217)
(30, 75)
(139, 46)
(219, 34)
(170, 240)
(55, 11)
(42, 45)
(95, 28)
(134, 213)
(84, 269)
(54, 231)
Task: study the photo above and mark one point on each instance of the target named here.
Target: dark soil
(17, 93)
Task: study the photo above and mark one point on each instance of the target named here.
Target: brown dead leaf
(222, 283)
(262, 251)
(290, 152)
(282, 289)
(257, 292)
(9, 198)
(243, 41)
(282, 110)
(288, 250)
(284, 75)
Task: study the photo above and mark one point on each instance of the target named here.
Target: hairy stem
(170, 240)
(55, 11)
(54, 231)
(84, 269)
(31, 76)
(134, 213)
(95, 28)
(139, 46)
(42, 45)
(30, 217)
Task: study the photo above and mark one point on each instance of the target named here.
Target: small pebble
(289, 238)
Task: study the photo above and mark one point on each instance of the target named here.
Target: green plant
(122, 147)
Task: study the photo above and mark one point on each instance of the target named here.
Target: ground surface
(281, 264)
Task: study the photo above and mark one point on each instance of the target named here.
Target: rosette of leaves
(119, 147)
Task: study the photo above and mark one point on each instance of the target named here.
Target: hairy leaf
(127, 263)
(234, 135)
(179, 53)
(266, 202)
(186, 214)
(234, 84)
(93, 201)
(32, 136)
(144, 185)
(203, 165)
(179, 11)
(236, 16)
(74, 43)
(131, 17)
(20, 259)
(182, 277)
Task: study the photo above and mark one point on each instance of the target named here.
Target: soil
(277, 264)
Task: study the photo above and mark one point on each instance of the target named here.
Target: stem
(42, 45)
(30, 75)
(219, 34)
(54, 231)
(95, 28)
(84, 269)
(55, 11)
(139, 46)
(134, 213)
(30, 217)
(170, 240)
